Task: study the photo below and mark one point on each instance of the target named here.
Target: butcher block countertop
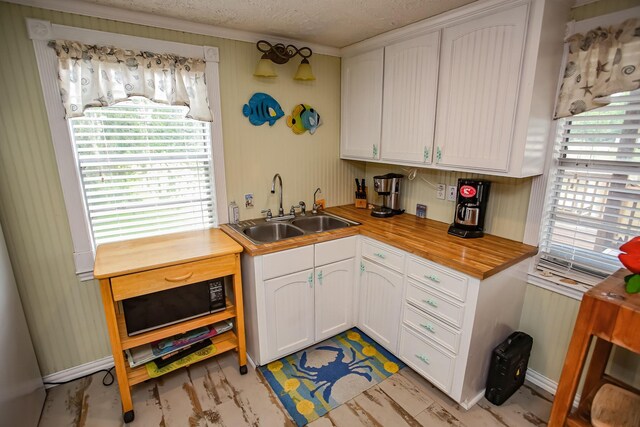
(426, 238)
(131, 256)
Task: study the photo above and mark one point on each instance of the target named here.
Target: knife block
(362, 203)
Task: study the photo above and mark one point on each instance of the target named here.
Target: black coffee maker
(471, 207)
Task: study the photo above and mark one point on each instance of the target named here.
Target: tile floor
(213, 393)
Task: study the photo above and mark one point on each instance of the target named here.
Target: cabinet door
(289, 313)
(334, 286)
(478, 90)
(409, 102)
(361, 105)
(380, 304)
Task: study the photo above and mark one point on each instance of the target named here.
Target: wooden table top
(130, 256)
(426, 238)
(612, 290)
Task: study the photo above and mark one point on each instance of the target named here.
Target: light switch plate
(440, 189)
(451, 193)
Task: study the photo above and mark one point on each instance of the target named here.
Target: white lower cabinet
(440, 322)
(333, 298)
(289, 303)
(380, 303)
(297, 297)
(427, 359)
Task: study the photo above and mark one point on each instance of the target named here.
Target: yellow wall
(506, 209)
(64, 315)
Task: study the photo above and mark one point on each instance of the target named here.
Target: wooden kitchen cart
(611, 316)
(142, 266)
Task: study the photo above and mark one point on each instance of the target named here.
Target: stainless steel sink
(261, 231)
(319, 223)
(272, 231)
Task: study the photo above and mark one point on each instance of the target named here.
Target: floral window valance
(94, 76)
(600, 63)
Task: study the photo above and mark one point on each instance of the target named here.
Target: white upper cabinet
(409, 101)
(478, 91)
(361, 105)
(471, 90)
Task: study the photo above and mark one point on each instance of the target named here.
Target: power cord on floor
(105, 382)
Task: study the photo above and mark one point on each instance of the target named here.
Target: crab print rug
(315, 380)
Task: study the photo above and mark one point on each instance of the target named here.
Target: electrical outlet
(248, 200)
(440, 189)
(451, 193)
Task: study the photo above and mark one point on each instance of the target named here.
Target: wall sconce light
(281, 54)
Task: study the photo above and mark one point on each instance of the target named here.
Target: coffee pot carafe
(471, 207)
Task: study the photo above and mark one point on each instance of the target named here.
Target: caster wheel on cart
(243, 370)
(128, 416)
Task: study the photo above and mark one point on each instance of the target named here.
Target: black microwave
(153, 311)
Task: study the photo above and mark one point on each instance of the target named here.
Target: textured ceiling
(335, 23)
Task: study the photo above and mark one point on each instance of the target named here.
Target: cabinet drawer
(383, 254)
(427, 359)
(432, 328)
(438, 277)
(335, 250)
(160, 279)
(431, 302)
(287, 262)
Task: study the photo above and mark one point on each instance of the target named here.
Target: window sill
(553, 284)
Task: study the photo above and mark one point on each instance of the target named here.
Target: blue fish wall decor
(262, 108)
(304, 118)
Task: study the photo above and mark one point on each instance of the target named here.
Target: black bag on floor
(508, 367)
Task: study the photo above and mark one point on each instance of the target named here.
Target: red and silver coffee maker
(471, 207)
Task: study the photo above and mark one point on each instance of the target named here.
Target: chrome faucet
(315, 207)
(273, 191)
(281, 216)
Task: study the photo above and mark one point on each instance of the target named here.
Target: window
(142, 184)
(593, 201)
(145, 169)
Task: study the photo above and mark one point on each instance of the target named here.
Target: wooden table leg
(116, 349)
(573, 364)
(596, 369)
(237, 291)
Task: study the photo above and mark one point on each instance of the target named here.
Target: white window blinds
(145, 170)
(594, 195)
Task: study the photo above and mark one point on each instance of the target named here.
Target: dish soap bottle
(234, 213)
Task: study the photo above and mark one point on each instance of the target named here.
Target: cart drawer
(160, 279)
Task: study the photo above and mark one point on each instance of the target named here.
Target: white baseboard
(469, 403)
(251, 362)
(77, 371)
(547, 384)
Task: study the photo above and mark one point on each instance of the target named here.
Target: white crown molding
(434, 23)
(39, 30)
(141, 18)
